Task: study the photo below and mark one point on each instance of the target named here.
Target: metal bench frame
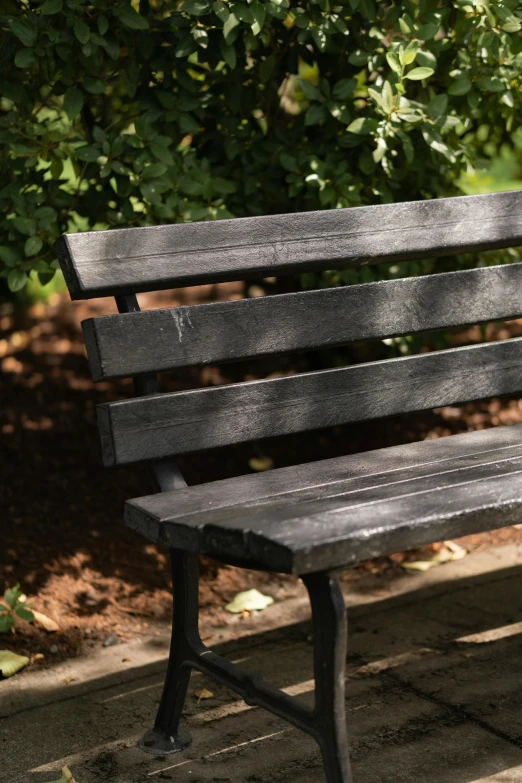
(107, 263)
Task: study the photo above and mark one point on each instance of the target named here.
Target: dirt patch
(62, 535)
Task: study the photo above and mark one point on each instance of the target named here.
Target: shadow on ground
(434, 694)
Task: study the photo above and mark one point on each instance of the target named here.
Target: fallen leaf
(249, 600)
(37, 657)
(260, 464)
(66, 777)
(10, 662)
(457, 550)
(42, 621)
(203, 693)
(449, 552)
(70, 678)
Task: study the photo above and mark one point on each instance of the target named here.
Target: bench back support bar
(167, 424)
(159, 340)
(110, 263)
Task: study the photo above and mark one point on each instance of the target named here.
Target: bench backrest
(122, 262)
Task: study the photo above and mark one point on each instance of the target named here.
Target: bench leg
(167, 736)
(326, 722)
(329, 622)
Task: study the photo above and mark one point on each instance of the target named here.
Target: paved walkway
(434, 693)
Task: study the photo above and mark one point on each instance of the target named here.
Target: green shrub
(115, 114)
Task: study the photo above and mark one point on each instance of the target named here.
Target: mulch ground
(61, 531)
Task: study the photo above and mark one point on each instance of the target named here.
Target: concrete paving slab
(432, 693)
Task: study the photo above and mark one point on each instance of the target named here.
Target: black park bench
(314, 519)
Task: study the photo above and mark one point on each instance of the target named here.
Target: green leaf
(73, 102)
(87, 153)
(309, 90)
(229, 32)
(154, 170)
(12, 594)
(315, 114)
(259, 14)
(320, 38)
(32, 246)
(512, 26)
(508, 99)
(25, 225)
(24, 58)
(407, 56)
(93, 85)
(51, 7)
(460, 86)
(388, 97)
(16, 279)
(24, 614)
(187, 124)
(393, 62)
(228, 53)
(23, 31)
(45, 213)
(406, 25)
(112, 47)
(10, 662)
(8, 255)
(344, 89)
(162, 153)
(358, 58)
(376, 96)
(266, 68)
(242, 12)
(201, 37)
(132, 18)
(288, 161)
(103, 24)
(437, 106)
(186, 46)
(82, 32)
(195, 7)
(426, 58)
(427, 31)
(222, 185)
(6, 623)
(491, 84)
(221, 10)
(419, 73)
(362, 126)
(151, 192)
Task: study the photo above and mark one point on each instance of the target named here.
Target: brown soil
(61, 532)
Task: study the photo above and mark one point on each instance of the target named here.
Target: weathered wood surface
(168, 424)
(158, 340)
(103, 263)
(334, 513)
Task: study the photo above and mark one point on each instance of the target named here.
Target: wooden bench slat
(164, 425)
(159, 340)
(376, 503)
(103, 263)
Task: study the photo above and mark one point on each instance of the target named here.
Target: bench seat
(336, 512)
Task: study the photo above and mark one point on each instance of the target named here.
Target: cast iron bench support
(326, 722)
